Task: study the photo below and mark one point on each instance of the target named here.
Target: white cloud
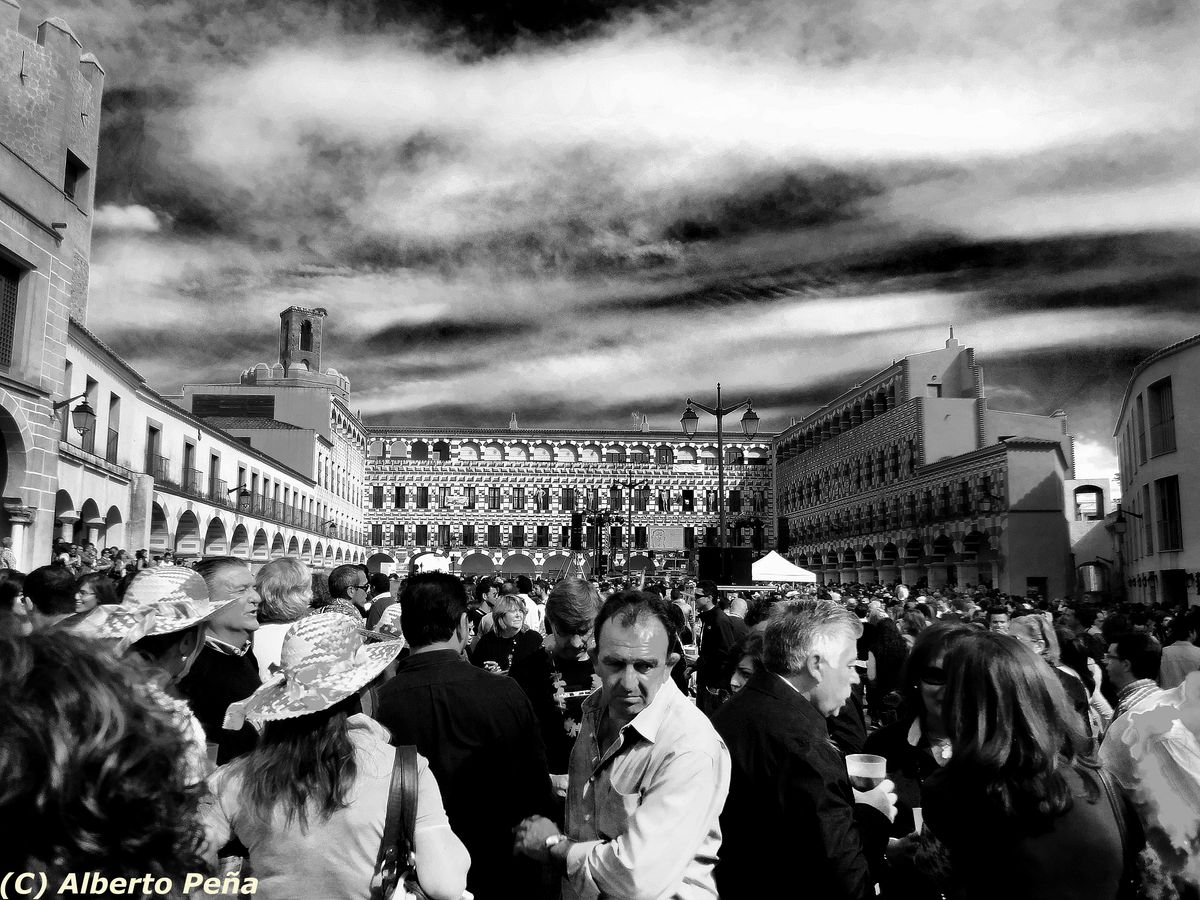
(135, 218)
(1094, 459)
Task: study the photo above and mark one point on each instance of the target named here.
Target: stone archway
(214, 539)
(187, 535)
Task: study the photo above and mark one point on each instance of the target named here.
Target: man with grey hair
(791, 808)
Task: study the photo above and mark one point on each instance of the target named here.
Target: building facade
(910, 477)
(150, 475)
(502, 500)
(1157, 527)
(50, 92)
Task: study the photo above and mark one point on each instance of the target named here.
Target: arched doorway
(114, 528)
(159, 536)
(187, 535)
(555, 566)
(239, 544)
(259, 552)
(277, 549)
(377, 562)
(519, 564)
(214, 539)
(477, 564)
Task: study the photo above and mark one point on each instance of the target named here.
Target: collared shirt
(228, 649)
(1114, 754)
(1134, 693)
(645, 810)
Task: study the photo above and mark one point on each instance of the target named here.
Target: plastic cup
(866, 770)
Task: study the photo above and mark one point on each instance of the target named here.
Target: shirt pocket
(616, 809)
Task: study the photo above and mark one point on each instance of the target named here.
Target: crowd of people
(645, 737)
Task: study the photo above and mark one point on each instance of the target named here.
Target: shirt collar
(785, 681)
(1135, 687)
(648, 722)
(227, 649)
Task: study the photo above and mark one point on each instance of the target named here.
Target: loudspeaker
(728, 566)
(783, 539)
(576, 532)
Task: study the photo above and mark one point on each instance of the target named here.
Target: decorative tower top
(300, 335)
(512, 423)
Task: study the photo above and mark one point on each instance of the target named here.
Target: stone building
(502, 500)
(1157, 527)
(50, 92)
(911, 477)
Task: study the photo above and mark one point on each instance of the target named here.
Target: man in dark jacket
(715, 663)
(791, 815)
(478, 732)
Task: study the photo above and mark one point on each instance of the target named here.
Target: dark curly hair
(92, 772)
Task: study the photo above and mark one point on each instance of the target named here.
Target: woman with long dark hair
(1020, 811)
(309, 802)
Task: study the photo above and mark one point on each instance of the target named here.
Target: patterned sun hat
(323, 661)
(161, 600)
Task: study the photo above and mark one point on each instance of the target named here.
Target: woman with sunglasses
(916, 745)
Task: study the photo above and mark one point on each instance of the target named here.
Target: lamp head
(83, 417)
(690, 421)
(750, 421)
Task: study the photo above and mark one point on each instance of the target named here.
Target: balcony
(159, 468)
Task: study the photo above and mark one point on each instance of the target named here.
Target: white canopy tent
(774, 567)
(431, 562)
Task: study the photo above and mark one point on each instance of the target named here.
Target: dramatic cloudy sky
(579, 209)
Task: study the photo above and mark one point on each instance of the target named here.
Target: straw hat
(161, 600)
(323, 661)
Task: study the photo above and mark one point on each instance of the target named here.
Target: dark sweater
(217, 679)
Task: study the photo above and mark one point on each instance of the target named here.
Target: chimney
(91, 70)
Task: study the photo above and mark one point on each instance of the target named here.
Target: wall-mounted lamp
(1119, 525)
(83, 417)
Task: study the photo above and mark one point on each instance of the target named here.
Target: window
(376, 535)
(422, 498)
(10, 278)
(542, 538)
(689, 537)
(1162, 417)
(710, 536)
(443, 535)
(398, 535)
(616, 499)
(665, 456)
(469, 497)
(614, 456)
(1170, 526)
(641, 499)
(377, 497)
(518, 498)
(615, 537)
(564, 538)
(689, 500)
(735, 501)
(443, 498)
(593, 498)
(399, 501)
(493, 535)
(306, 336)
(639, 537)
(468, 535)
(1146, 529)
(421, 538)
(75, 179)
(1140, 412)
(493, 498)
(639, 457)
(518, 535)
(568, 500)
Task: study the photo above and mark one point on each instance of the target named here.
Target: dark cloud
(447, 335)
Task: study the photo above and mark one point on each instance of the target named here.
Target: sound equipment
(783, 539)
(730, 565)
(576, 532)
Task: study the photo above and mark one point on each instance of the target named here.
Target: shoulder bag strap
(406, 759)
(1118, 807)
(387, 863)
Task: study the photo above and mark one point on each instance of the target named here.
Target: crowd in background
(1033, 747)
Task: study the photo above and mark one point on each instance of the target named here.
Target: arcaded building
(1157, 527)
(502, 500)
(50, 92)
(911, 477)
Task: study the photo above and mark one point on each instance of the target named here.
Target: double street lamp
(631, 486)
(690, 420)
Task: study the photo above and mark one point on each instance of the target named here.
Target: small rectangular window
(518, 498)
(1140, 425)
(10, 279)
(422, 497)
(469, 497)
(377, 498)
(376, 535)
(1147, 529)
(568, 500)
(493, 535)
(398, 535)
(1170, 523)
(468, 535)
(398, 499)
(518, 535)
(422, 536)
(75, 178)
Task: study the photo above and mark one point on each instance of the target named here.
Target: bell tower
(300, 335)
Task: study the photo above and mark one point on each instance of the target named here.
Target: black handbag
(395, 867)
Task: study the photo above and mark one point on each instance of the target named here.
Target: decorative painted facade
(503, 499)
(910, 477)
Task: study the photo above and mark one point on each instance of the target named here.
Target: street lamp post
(601, 519)
(690, 420)
(631, 486)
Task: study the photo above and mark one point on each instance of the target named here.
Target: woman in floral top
(559, 678)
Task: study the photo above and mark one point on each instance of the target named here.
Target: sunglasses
(934, 676)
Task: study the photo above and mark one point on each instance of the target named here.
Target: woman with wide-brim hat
(161, 622)
(309, 802)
